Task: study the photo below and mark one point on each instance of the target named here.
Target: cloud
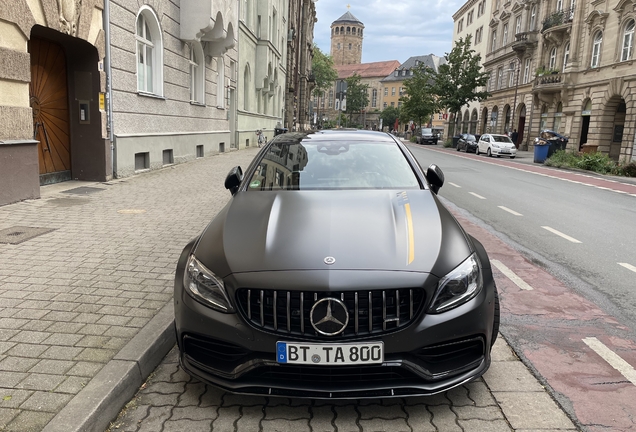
(393, 30)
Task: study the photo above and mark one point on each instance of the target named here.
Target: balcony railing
(552, 78)
(558, 18)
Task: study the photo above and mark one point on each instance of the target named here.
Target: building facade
(52, 84)
(262, 68)
(300, 81)
(393, 85)
(566, 66)
(174, 80)
(472, 20)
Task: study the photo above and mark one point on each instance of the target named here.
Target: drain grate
(18, 234)
(83, 190)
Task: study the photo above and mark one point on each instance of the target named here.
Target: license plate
(505, 151)
(330, 354)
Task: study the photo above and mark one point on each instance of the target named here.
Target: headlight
(205, 286)
(495, 145)
(458, 286)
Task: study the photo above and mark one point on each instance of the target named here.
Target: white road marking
(612, 358)
(560, 234)
(453, 184)
(628, 266)
(511, 275)
(510, 211)
(478, 196)
(518, 168)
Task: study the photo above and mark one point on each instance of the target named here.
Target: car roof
(335, 135)
(501, 135)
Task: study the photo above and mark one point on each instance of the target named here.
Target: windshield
(501, 138)
(471, 138)
(427, 131)
(333, 165)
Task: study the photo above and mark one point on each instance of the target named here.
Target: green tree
(324, 73)
(389, 115)
(419, 101)
(457, 81)
(357, 95)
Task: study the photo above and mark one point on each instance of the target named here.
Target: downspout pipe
(109, 86)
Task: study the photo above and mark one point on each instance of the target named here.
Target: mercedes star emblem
(330, 260)
(329, 316)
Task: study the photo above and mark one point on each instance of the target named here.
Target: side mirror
(233, 179)
(435, 178)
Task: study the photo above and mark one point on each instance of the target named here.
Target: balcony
(525, 42)
(557, 19)
(548, 84)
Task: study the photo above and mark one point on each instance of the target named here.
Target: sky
(393, 30)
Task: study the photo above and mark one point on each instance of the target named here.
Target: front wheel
(512, 157)
(458, 149)
(489, 153)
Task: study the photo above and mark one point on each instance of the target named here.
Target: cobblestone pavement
(507, 398)
(71, 298)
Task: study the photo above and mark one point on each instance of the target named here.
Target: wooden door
(49, 100)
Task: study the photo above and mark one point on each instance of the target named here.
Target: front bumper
(433, 354)
(503, 152)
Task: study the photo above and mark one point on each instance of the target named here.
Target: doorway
(48, 94)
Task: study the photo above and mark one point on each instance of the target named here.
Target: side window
(149, 53)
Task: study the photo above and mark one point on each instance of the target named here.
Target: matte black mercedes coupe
(335, 272)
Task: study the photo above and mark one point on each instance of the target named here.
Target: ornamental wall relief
(69, 11)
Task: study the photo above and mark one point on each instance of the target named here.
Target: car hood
(361, 230)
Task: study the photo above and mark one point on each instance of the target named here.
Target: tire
(458, 149)
(466, 149)
(512, 157)
(495, 324)
(489, 153)
(477, 151)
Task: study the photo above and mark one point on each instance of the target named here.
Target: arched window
(628, 41)
(349, 47)
(348, 30)
(566, 55)
(220, 82)
(596, 49)
(337, 30)
(149, 53)
(553, 54)
(197, 73)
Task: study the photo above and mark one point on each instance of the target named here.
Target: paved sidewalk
(507, 398)
(86, 311)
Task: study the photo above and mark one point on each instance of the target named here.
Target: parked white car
(496, 145)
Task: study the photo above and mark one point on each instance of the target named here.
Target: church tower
(347, 33)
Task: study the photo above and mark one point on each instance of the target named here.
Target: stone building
(393, 85)
(174, 81)
(95, 89)
(472, 19)
(347, 33)
(566, 66)
(52, 119)
(300, 81)
(262, 67)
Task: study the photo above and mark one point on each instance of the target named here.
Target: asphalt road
(584, 234)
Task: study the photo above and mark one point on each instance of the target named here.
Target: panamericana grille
(371, 312)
